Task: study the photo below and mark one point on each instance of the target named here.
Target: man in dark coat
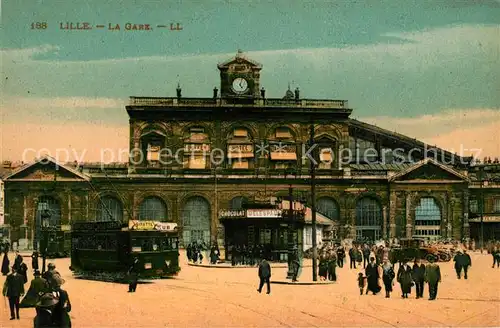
(264, 275)
(34, 260)
(433, 278)
(462, 262)
(352, 257)
(405, 279)
(133, 273)
(419, 277)
(340, 256)
(373, 276)
(62, 308)
(366, 255)
(13, 289)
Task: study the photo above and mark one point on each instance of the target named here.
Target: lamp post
(45, 217)
(481, 207)
(312, 167)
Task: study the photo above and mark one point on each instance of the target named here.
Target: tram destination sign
(140, 225)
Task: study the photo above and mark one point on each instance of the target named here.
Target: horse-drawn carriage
(414, 248)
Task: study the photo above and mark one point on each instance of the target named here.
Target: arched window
(328, 207)
(109, 209)
(196, 221)
(427, 219)
(153, 208)
(368, 219)
(237, 203)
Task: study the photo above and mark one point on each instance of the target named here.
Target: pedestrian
(332, 266)
(418, 274)
(133, 275)
(34, 260)
(462, 262)
(44, 311)
(388, 276)
(352, 257)
(62, 308)
(13, 289)
(5, 263)
(361, 282)
(38, 286)
(496, 256)
(405, 279)
(22, 268)
(433, 278)
(264, 276)
(366, 256)
(340, 256)
(295, 265)
(372, 276)
(323, 268)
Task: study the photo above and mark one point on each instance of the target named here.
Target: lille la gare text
(118, 27)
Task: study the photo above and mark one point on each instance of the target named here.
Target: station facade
(192, 158)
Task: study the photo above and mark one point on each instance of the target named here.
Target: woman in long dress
(373, 277)
(405, 279)
(5, 264)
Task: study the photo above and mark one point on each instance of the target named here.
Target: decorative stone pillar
(392, 214)
(465, 213)
(70, 210)
(384, 222)
(409, 221)
(449, 226)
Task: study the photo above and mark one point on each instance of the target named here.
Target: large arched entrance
(196, 221)
(109, 209)
(368, 219)
(50, 206)
(329, 208)
(427, 219)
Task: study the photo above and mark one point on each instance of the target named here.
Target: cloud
(464, 131)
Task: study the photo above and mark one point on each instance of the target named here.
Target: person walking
(264, 276)
(352, 257)
(38, 286)
(433, 278)
(34, 261)
(372, 276)
(332, 268)
(405, 279)
(13, 289)
(462, 262)
(5, 263)
(133, 275)
(418, 274)
(44, 311)
(388, 276)
(366, 256)
(340, 256)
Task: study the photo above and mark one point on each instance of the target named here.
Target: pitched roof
(239, 56)
(52, 160)
(424, 162)
(412, 141)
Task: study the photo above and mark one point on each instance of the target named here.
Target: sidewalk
(227, 265)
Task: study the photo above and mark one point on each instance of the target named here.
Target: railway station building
(192, 159)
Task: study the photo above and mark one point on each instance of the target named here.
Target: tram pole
(313, 206)
(481, 180)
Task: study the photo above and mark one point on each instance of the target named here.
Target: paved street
(226, 297)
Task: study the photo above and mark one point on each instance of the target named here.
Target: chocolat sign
(151, 225)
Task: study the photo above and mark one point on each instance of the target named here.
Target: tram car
(105, 250)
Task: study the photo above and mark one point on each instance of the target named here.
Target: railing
(222, 102)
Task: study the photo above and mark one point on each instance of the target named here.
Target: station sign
(264, 213)
(140, 225)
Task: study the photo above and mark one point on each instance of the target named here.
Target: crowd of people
(45, 292)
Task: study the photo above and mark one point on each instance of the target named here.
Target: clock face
(240, 85)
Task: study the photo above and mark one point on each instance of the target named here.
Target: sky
(426, 69)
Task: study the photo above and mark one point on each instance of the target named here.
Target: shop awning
(281, 156)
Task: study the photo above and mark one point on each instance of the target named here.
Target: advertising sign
(264, 213)
(151, 225)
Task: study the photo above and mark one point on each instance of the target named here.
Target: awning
(281, 156)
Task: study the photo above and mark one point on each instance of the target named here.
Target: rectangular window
(473, 206)
(243, 164)
(308, 236)
(496, 205)
(197, 162)
(283, 133)
(265, 236)
(153, 153)
(241, 133)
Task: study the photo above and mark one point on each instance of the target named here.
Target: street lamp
(312, 168)
(45, 218)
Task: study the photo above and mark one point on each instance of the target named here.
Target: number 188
(39, 26)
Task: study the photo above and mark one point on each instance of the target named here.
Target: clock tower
(240, 78)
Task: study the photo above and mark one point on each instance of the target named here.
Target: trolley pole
(312, 167)
(481, 180)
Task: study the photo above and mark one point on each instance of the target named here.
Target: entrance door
(196, 221)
